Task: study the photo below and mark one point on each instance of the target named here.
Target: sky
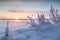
(20, 9)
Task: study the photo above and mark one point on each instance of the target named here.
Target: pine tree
(54, 15)
(41, 18)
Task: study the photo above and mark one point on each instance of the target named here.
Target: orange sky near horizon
(18, 15)
(13, 15)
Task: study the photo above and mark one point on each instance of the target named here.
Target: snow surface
(43, 31)
(46, 32)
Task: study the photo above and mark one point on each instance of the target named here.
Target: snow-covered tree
(41, 18)
(32, 23)
(54, 15)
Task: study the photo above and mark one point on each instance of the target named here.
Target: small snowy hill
(45, 25)
(51, 32)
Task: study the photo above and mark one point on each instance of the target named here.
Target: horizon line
(20, 19)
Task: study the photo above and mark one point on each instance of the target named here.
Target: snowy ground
(49, 33)
(45, 32)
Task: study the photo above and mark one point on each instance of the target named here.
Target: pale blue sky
(29, 5)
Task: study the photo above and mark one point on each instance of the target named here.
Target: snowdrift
(46, 31)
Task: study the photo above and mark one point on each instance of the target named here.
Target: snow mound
(51, 32)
